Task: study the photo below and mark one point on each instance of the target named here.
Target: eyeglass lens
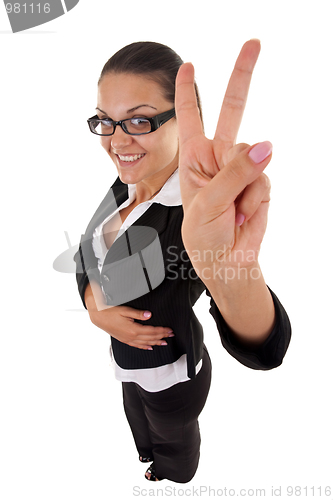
(132, 126)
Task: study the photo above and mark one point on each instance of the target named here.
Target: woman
(206, 202)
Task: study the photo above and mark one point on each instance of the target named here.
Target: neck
(147, 189)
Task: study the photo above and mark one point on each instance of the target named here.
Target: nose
(120, 139)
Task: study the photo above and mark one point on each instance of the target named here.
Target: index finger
(187, 111)
(236, 94)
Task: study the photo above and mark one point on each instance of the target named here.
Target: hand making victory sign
(225, 199)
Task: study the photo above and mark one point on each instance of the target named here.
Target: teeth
(130, 158)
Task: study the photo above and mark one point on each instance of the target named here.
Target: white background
(63, 430)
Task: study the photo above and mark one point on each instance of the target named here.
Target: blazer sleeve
(86, 266)
(270, 353)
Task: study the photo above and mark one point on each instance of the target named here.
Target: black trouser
(165, 424)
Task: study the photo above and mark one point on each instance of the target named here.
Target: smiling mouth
(131, 158)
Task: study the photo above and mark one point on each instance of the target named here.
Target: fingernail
(240, 218)
(146, 314)
(150, 349)
(164, 343)
(260, 151)
(171, 335)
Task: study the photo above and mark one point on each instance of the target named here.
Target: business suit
(177, 293)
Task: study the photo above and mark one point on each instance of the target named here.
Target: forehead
(119, 92)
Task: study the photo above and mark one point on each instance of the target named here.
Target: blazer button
(106, 278)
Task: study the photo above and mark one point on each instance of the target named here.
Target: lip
(124, 163)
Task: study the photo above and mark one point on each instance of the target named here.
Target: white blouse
(162, 377)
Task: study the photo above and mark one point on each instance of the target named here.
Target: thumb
(133, 313)
(145, 315)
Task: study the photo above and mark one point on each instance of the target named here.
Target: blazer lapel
(116, 195)
(156, 217)
(134, 264)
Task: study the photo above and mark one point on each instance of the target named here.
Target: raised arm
(225, 197)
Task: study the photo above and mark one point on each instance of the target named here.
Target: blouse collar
(169, 195)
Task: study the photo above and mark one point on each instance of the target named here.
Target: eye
(138, 125)
(107, 122)
(137, 122)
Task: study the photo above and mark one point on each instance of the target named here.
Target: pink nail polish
(164, 343)
(260, 151)
(146, 314)
(240, 218)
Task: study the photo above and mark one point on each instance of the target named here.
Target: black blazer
(171, 303)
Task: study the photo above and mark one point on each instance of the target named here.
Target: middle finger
(236, 94)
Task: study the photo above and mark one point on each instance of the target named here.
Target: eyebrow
(132, 109)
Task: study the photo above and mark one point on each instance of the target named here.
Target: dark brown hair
(156, 61)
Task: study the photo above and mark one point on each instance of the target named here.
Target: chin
(129, 177)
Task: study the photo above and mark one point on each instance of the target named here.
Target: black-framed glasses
(132, 126)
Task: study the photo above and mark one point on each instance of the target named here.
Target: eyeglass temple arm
(157, 121)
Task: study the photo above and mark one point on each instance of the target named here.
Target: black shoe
(151, 471)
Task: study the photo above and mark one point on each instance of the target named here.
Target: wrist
(228, 277)
(245, 302)
(94, 298)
